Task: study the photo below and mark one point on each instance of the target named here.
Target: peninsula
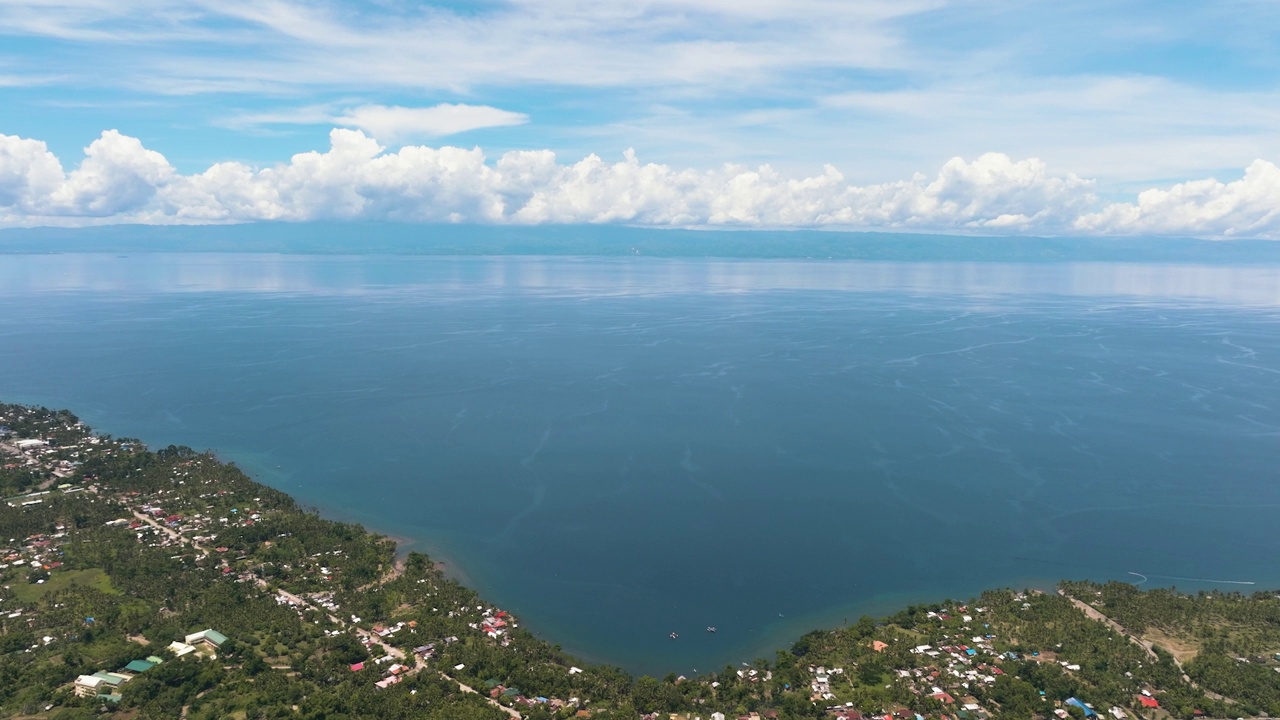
(141, 583)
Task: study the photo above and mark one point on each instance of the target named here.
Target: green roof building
(111, 679)
(212, 638)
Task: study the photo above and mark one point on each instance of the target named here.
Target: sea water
(619, 449)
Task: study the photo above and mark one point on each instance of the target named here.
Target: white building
(88, 685)
(181, 648)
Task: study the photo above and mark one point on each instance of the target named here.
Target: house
(879, 646)
(1088, 711)
(208, 639)
(1148, 702)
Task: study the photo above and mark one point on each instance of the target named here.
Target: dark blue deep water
(617, 449)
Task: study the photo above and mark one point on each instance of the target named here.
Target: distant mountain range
(612, 240)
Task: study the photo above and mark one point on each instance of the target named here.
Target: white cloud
(305, 115)
(567, 42)
(1116, 127)
(29, 174)
(119, 180)
(118, 175)
(390, 124)
(1178, 94)
(22, 81)
(1248, 207)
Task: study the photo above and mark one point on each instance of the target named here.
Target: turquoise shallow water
(617, 449)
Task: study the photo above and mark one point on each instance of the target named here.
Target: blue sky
(1124, 96)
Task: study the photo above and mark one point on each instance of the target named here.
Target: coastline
(768, 639)
(760, 641)
(1077, 638)
(405, 543)
(262, 471)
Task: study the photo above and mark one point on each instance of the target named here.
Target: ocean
(616, 449)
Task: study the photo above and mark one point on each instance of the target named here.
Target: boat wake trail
(1192, 579)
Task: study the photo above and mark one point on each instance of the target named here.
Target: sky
(1094, 117)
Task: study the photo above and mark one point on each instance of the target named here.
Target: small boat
(711, 628)
(675, 635)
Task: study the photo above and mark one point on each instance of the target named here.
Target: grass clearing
(1181, 648)
(96, 578)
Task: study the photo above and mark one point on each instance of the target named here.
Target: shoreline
(405, 546)
(262, 472)
(404, 543)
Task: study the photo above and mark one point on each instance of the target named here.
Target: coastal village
(142, 583)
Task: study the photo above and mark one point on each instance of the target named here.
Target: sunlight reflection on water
(359, 275)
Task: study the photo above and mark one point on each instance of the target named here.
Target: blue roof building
(1088, 711)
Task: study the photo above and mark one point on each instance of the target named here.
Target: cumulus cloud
(29, 174)
(119, 180)
(118, 175)
(1248, 207)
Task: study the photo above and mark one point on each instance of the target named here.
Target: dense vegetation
(1231, 640)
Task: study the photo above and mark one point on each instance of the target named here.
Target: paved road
(1095, 614)
(1147, 645)
(182, 539)
(467, 688)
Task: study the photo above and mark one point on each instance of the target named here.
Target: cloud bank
(121, 181)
